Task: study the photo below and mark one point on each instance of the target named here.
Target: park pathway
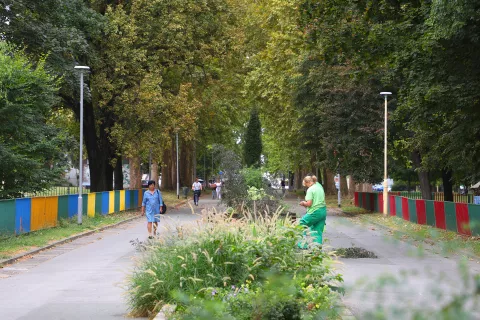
(406, 276)
(83, 279)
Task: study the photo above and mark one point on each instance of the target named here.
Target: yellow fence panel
(122, 200)
(51, 211)
(37, 218)
(111, 202)
(91, 205)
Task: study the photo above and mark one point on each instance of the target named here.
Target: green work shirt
(317, 195)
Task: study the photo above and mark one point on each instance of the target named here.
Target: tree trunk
(118, 171)
(194, 161)
(99, 148)
(155, 172)
(298, 180)
(168, 169)
(447, 185)
(343, 185)
(330, 188)
(351, 187)
(135, 174)
(425, 187)
(186, 165)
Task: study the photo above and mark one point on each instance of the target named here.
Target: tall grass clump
(221, 255)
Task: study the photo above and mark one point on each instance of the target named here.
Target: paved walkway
(83, 279)
(405, 276)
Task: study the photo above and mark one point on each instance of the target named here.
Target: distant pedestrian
(283, 187)
(197, 190)
(218, 189)
(152, 206)
(316, 210)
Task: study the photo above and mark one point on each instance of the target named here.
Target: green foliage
(255, 194)
(253, 177)
(253, 141)
(230, 252)
(31, 150)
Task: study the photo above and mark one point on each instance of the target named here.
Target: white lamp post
(178, 181)
(385, 175)
(82, 69)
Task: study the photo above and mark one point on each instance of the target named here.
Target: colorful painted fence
(459, 217)
(31, 214)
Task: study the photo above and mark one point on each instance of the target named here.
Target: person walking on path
(152, 206)
(283, 187)
(316, 210)
(197, 190)
(219, 189)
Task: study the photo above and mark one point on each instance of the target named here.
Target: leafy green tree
(31, 150)
(253, 141)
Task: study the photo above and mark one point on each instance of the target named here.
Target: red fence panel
(391, 202)
(421, 211)
(356, 199)
(440, 214)
(463, 223)
(405, 212)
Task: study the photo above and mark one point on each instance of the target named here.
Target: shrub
(228, 252)
(253, 177)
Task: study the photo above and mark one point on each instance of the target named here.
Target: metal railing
(54, 191)
(437, 196)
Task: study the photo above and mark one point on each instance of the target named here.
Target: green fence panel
(450, 216)
(360, 199)
(63, 207)
(430, 213)
(7, 216)
(85, 204)
(368, 201)
(412, 209)
(474, 216)
(398, 206)
(117, 201)
(133, 205)
(98, 203)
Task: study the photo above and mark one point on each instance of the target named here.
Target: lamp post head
(82, 68)
(384, 93)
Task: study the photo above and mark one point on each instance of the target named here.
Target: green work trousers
(316, 222)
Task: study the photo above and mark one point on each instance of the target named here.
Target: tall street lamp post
(385, 175)
(82, 69)
(178, 181)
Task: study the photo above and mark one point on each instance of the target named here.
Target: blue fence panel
(127, 199)
(105, 202)
(23, 209)
(72, 205)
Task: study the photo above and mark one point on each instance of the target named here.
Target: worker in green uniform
(316, 210)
